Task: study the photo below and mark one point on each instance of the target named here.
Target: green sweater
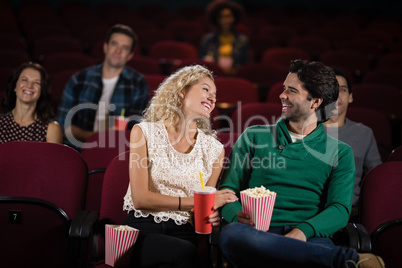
(313, 178)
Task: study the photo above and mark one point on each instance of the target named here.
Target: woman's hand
(215, 218)
(223, 197)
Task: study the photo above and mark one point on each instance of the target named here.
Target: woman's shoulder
(149, 125)
(209, 36)
(209, 139)
(7, 120)
(54, 125)
(54, 132)
(5, 116)
(150, 129)
(240, 36)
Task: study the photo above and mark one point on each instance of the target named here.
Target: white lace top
(173, 173)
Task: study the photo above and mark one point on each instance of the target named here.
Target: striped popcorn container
(259, 209)
(119, 240)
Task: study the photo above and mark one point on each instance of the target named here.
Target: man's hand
(296, 233)
(78, 133)
(244, 218)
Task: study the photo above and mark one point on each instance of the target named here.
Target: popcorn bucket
(259, 209)
(119, 244)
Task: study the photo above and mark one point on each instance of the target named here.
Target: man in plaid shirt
(100, 92)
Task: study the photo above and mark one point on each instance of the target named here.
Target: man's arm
(67, 102)
(78, 133)
(339, 197)
(139, 100)
(203, 50)
(372, 157)
(143, 98)
(236, 175)
(244, 54)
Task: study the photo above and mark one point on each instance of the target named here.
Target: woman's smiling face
(28, 86)
(200, 98)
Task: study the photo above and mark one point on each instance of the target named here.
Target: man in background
(94, 96)
(356, 135)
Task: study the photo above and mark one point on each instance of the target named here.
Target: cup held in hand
(204, 200)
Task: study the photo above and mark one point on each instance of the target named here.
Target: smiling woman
(200, 98)
(178, 93)
(168, 151)
(29, 114)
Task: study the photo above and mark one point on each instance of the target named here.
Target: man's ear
(350, 98)
(130, 56)
(316, 102)
(104, 47)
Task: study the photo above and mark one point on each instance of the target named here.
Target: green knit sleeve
(236, 174)
(339, 197)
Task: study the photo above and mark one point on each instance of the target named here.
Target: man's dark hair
(215, 7)
(320, 82)
(123, 29)
(338, 72)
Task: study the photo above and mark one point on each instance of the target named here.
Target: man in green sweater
(312, 174)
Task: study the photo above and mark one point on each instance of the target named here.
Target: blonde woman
(168, 150)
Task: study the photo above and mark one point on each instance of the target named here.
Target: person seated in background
(225, 46)
(93, 95)
(168, 150)
(357, 135)
(29, 115)
(311, 173)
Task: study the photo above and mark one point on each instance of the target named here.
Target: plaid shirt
(83, 92)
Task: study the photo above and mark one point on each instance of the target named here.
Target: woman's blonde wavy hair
(166, 104)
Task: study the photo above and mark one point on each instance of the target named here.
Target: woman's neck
(183, 136)
(184, 129)
(226, 31)
(24, 114)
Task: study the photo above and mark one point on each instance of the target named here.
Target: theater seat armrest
(81, 235)
(364, 238)
(347, 237)
(83, 224)
(355, 236)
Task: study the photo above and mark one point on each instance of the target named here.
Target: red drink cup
(204, 200)
(120, 123)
